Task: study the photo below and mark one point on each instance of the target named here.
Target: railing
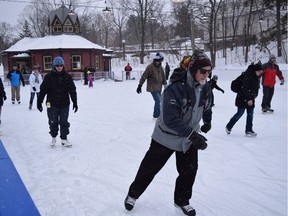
(106, 75)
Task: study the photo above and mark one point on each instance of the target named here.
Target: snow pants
(152, 163)
(58, 116)
(268, 93)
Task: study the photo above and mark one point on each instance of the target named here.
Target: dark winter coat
(183, 104)
(2, 92)
(270, 71)
(213, 84)
(250, 89)
(58, 86)
(176, 73)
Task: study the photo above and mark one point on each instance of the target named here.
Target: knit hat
(272, 56)
(158, 57)
(215, 77)
(58, 61)
(198, 60)
(256, 67)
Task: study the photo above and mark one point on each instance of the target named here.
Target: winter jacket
(58, 86)
(269, 74)
(213, 85)
(128, 68)
(176, 73)
(15, 77)
(249, 90)
(167, 68)
(2, 92)
(35, 80)
(155, 78)
(184, 103)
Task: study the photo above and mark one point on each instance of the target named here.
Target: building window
(97, 62)
(47, 62)
(76, 62)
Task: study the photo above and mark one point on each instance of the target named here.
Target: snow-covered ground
(111, 132)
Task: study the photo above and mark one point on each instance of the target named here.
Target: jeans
(237, 116)
(32, 97)
(156, 96)
(58, 116)
(155, 158)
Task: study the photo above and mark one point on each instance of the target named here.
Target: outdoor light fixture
(106, 9)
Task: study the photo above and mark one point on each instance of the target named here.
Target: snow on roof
(21, 55)
(53, 42)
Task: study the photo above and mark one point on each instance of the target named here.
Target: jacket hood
(178, 75)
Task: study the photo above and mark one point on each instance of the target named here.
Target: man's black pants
(152, 163)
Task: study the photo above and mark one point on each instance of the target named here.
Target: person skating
(270, 71)
(155, 76)
(128, 70)
(35, 80)
(58, 86)
(2, 97)
(167, 70)
(245, 99)
(213, 83)
(184, 103)
(15, 78)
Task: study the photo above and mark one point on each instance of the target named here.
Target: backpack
(237, 83)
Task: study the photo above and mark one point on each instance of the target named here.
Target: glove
(39, 107)
(75, 107)
(139, 89)
(34, 89)
(282, 82)
(206, 127)
(222, 91)
(198, 141)
(23, 84)
(4, 97)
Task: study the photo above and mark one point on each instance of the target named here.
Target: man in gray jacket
(155, 76)
(184, 103)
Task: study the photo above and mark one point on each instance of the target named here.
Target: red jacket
(269, 74)
(128, 68)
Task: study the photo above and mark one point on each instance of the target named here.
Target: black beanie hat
(199, 59)
(256, 67)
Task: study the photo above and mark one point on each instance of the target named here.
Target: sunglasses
(204, 71)
(58, 65)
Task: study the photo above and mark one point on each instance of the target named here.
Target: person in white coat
(35, 81)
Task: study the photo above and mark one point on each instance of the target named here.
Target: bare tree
(214, 9)
(6, 36)
(142, 9)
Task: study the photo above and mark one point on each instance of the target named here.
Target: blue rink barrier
(15, 200)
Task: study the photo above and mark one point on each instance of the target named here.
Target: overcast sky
(10, 10)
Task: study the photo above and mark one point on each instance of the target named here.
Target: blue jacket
(15, 77)
(184, 103)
